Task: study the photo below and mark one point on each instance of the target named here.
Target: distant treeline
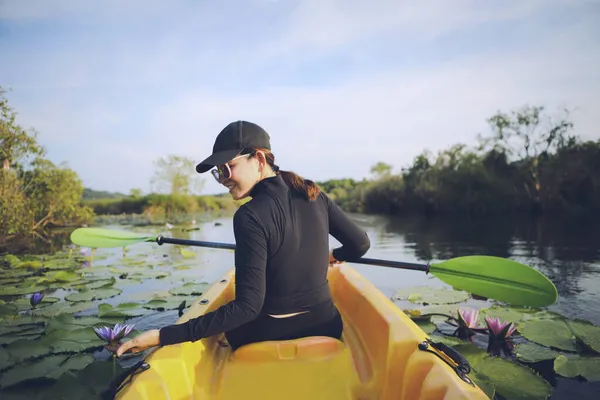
(162, 207)
(526, 166)
(90, 194)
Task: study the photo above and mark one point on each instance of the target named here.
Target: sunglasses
(223, 172)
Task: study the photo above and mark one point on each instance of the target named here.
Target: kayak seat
(308, 348)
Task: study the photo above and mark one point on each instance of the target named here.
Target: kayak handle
(462, 367)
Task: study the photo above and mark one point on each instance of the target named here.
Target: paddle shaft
(228, 246)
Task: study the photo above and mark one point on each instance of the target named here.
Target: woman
(281, 256)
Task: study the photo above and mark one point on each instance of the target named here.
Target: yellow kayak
(381, 356)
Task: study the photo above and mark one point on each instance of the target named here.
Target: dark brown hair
(306, 187)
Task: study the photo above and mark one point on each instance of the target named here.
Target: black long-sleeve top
(281, 258)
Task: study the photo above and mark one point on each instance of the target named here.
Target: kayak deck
(377, 358)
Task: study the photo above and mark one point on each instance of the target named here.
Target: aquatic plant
(35, 299)
(113, 335)
(468, 323)
(499, 339)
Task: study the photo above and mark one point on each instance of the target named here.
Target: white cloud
(342, 130)
(172, 91)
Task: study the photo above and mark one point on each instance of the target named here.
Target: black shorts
(322, 321)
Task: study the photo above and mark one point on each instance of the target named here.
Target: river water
(566, 251)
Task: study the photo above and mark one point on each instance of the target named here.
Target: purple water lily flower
(113, 335)
(35, 299)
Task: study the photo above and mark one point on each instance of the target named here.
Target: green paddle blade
(497, 278)
(98, 237)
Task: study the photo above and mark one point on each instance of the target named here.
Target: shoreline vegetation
(528, 163)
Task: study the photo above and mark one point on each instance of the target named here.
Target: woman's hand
(332, 260)
(141, 342)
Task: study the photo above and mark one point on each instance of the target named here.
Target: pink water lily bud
(468, 318)
(500, 329)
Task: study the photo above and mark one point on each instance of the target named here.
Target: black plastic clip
(462, 367)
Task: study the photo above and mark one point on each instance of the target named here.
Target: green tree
(33, 194)
(527, 135)
(54, 194)
(135, 193)
(15, 142)
(176, 175)
(381, 170)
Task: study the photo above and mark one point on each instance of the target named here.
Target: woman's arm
(250, 286)
(355, 242)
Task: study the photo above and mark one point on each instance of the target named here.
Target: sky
(111, 86)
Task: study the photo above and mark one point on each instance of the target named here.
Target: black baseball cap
(232, 140)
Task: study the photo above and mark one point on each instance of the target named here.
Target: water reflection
(566, 251)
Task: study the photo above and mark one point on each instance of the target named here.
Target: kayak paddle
(487, 276)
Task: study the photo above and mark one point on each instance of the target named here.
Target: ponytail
(306, 187)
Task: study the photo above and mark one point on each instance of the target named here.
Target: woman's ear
(262, 160)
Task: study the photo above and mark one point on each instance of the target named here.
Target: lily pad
(87, 383)
(97, 284)
(169, 303)
(587, 334)
(64, 308)
(88, 295)
(60, 263)
(22, 329)
(513, 381)
(511, 314)
(549, 333)
(12, 260)
(188, 253)
(542, 314)
(426, 326)
(5, 359)
(570, 367)
(486, 386)
(21, 290)
(60, 276)
(68, 322)
(122, 310)
(28, 334)
(430, 295)
(51, 367)
(149, 275)
(50, 300)
(23, 349)
(132, 262)
(34, 264)
(72, 341)
(531, 352)
(190, 289)
(8, 309)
